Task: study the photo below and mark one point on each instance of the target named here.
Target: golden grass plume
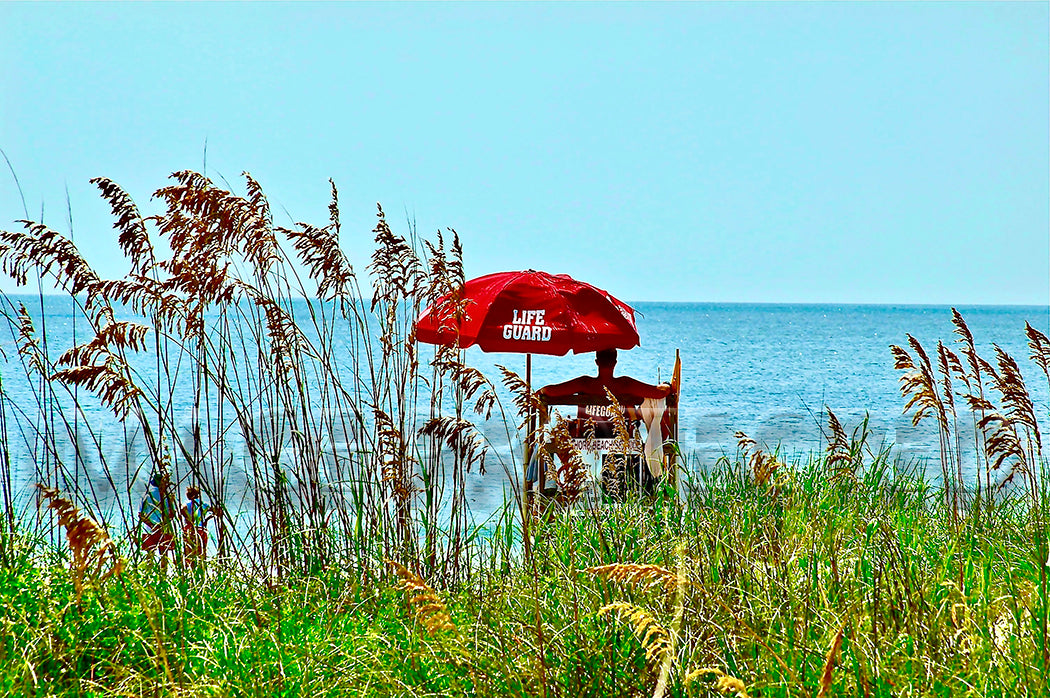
(764, 466)
(461, 436)
(919, 384)
(719, 680)
(1016, 398)
(446, 276)
(1040, 346)
(524, 399)
(642, 576)
(395, 265)
(838, 444)
(50, 254)
(108, 380)
(468, 380)
(621, 430)
(133, 237)
(655, 639)
(572, 473)
(318, 249)
(395, 463)
(88, 541)
(430, 611)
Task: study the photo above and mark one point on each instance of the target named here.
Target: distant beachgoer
(157, 514)
(195, 515)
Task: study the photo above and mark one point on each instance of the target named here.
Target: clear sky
(767, 152)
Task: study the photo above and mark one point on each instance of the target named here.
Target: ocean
(767, 370)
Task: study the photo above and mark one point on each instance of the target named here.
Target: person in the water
(157, 514)
(195, 515)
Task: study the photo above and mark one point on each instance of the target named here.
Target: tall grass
(822, 581)
(270, 331)
(1007, 433)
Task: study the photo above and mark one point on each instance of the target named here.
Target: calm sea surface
(767, 370)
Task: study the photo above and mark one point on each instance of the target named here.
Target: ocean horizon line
(702, 303)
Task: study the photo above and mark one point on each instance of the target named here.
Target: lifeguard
(627, 391)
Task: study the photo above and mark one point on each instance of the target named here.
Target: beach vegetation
(335, 451)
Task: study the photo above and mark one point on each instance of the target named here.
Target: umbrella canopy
(529, 312)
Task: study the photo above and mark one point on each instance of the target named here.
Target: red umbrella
(529, 312)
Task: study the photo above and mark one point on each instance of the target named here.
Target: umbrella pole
(525, 508)
(528, 381)
(529, 446)
(541, 472)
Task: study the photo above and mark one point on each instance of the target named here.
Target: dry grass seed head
(439, 281)
(108, 380)
(944, 364)
(978, 366)
(26, 341)
(445, 274)
(954, 364)
(621, 430)
(641, 576)
(200, 217)
(467, 379)
(969, 350)
(200, 277)
(48, 253)
(203, 221)
(655, 639)
(1003, 443)
(1016, 398)
(572, 473)
(720, 681)
(978, 403)
(974, 396)
(1040, 346)
(333, 208)
(88, 541)
(764, 467)
(429, 610)
(918, 384)
(118, 334)
(455, 259)
(287, 343)
(395, 464)
(461, 436)
(151, 297)
(256, 223)
(318, 249)
(838, 444)
(133, 237)
(396, 266)
(524, 399)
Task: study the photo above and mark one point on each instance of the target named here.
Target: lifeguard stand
(632, 449)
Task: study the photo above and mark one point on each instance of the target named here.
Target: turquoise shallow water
(767, 370)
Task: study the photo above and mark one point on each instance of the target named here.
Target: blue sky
(768, 152)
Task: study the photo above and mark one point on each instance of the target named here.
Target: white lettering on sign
(528, 325)
(601, 411)
(528, 317)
